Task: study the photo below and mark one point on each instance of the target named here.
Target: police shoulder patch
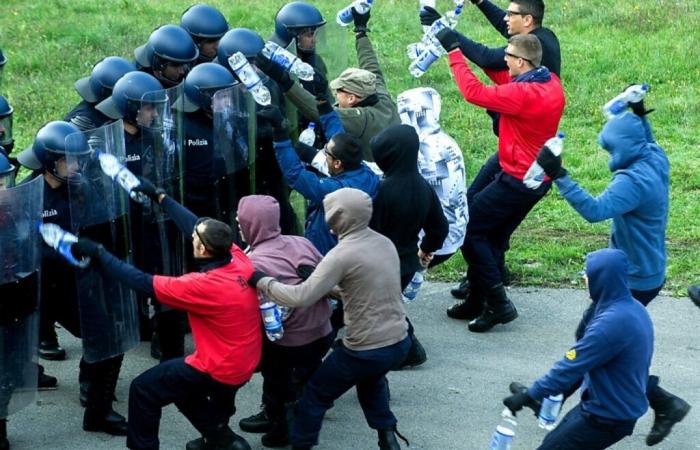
(571, 354)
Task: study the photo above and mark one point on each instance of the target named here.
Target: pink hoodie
(279, 256)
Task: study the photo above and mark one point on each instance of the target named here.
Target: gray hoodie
(365, 268)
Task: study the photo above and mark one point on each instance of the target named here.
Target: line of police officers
(178, 116)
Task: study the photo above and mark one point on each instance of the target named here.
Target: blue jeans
(340, 371)
(580, 430)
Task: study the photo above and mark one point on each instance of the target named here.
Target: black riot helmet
(295, 18)
(206, 25)
(7, 171)
(98, 86)
(128, 97)
(6, 139)
(169, 53)
(202, 83)
(241, 40)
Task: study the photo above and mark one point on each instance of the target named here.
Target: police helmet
(293, 18)
(202, 83)
(167, 44)
(6, 139)
(241, 40)
(128, 94)
(98, 86)
(51, 145)
(7, 171)
(3, 59)
(204, 22)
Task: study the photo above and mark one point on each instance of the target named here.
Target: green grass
(605, 45)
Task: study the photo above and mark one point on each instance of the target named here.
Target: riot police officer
(49, 157)
(168, 55)
(95, 88)
(206, 25)
(6, 139)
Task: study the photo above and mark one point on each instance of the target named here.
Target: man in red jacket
(530, 100)
(224, 315)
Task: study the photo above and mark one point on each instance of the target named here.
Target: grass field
(605, 45)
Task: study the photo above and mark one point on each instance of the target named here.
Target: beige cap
(360, 82)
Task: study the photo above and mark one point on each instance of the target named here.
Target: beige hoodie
(364, 266)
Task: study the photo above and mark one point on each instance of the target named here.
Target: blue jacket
(314, 187)
(614, 354)
(637, 198)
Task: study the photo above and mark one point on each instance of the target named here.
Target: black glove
(639, 109)
(360, 21)
(272, 115)
(320, 87)
(255, 277)
(475, 2)
(448, 39)
(518, 388)
(517, 401)
(428, 16)
(550, 163)
(149, 189)
(86, 247)
(274, 71)
(305, 152)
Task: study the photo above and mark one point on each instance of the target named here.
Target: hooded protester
(307, 330)
(613, 357)
(364, 270)
(406, 205)
(637, 201)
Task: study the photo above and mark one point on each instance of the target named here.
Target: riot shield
(235, 143)
(98, 207)
(161, 244)
(20, 263)
(335, 45)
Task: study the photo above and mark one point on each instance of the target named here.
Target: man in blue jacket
(613, 357)
(637, 199)
(344, 157)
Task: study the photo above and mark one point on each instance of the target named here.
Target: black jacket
(405, 203)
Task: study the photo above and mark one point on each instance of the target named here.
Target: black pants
(579, 430)
(286, 370)
(495, 212)
(205, 402)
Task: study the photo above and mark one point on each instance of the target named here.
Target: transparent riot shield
(162, 245)
(235, 143)
(335, 47)
(20, 263)
(98, 206)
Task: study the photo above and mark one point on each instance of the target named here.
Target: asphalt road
(451, 402)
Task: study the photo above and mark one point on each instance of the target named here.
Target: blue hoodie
(637, 198)
(614, 354)
(314, 187)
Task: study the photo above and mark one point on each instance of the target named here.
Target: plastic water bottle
(308, 136)
(248, 76)
(123, 176)
(272, 318)
(619, 104)
(504, 433)
(62, 241)
(431, 48)
(411, 291)
(423, 62)
(535, 174)
(344, 17)
(549, 411)
(288, 61)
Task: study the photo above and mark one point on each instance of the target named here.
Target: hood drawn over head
(395, 149)
(347, 210)
(624, 137)
(607, 272)
(259, 218)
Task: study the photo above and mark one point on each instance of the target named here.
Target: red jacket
(530, 112)
(224, 315)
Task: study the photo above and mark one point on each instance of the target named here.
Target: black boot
(257, 423)
(694, 294)
(99, 415)
(223, 438)
(4, 443)
(470, 308)
(45, 382)
(498, 310)
(416, 355)
(278, 436)
(462, 290)
(50, 350)
(668, 411)
(83, 381)
(387, 439)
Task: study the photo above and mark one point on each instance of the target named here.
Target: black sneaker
(257, 423)
(51, 351)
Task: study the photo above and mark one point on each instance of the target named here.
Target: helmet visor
(153, 110)
(6, 130)
(7, 179)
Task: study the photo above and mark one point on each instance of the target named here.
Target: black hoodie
(405, 204)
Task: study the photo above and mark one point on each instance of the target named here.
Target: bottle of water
(431, 48)
(62, 241)
(502, 438)
(535, 174)
(308, 136)
(344, 17)
(423, 4)
(411, 291)
(123, 176)
(272, 318)
(248, 76)
(549, 411)
(618, 105)
(288, 61)
(422, 63)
